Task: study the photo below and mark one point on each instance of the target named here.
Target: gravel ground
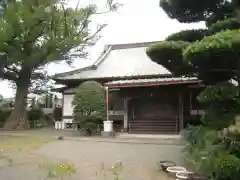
(91, 159)
(139, 160)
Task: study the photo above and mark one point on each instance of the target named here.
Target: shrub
(194, 134)
(89, 106)
(234, 135)
(34, 117)
(227, 167)
(4, 114)
(88, 127)
(35, 114)
(231, 143)
(212, 154)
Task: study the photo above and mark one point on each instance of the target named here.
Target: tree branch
(12, 69)
(65, 20)
(8, 75)
(110, 5)
(27, 45)
(95, 34)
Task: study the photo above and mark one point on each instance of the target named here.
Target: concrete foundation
(149, 136)
(108, 134)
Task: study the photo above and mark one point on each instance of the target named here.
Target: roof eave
(91, 67)
(60, 76)
(66, 81)
(127, 85)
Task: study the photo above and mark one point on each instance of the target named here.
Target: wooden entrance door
(154, 115)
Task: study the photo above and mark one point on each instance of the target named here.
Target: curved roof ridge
(103, 55)
(101, 58)
(132, 45)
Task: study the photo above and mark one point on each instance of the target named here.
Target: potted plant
(190, 176)
(165, 164)
(173, 170)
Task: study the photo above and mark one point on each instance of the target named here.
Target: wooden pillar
(181, 116)
(107, 113)
(125, 118)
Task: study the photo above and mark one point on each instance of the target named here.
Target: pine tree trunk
(18, 118)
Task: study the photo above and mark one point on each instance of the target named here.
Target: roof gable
(118, 61)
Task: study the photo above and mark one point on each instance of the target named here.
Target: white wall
(67, 106)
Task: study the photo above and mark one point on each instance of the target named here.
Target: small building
(144, 97)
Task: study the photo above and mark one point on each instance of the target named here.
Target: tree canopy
(211, 54)
(35, 33)
(169, 54)
(188, 35)
(215, 56)
(89, 106)
(212, 57)
(195, 11)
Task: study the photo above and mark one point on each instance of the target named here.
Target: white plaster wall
(67, 106)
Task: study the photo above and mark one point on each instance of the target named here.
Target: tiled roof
(119, 61)
(174, 80)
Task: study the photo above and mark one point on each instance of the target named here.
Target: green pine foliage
(40, 32)
(213, 57)
(195, 11)
(211, 154)
(214, 51)
(169, 54)
(188, 35)
(35, 33)
(89, 105)
(226, 24)
(211, 54)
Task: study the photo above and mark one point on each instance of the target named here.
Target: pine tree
(211, 54)
(33, 34)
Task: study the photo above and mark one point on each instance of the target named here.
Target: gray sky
(136, 21)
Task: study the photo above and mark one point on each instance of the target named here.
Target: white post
(107, 125)
(63, 125)
(56, 124)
